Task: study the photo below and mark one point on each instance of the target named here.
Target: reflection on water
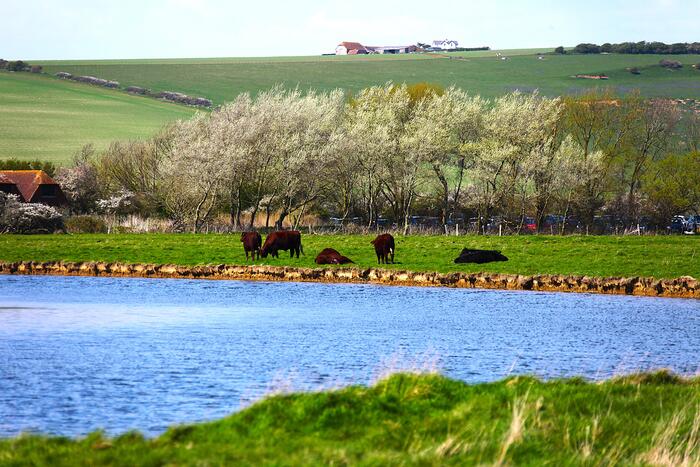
(78, 354)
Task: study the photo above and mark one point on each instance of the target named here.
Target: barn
(32, 186)
(350, 48)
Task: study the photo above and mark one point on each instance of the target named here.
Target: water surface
(77, 354)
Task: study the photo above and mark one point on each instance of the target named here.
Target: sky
(89, 29)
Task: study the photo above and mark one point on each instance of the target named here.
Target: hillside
(49, 119)
(221, 79)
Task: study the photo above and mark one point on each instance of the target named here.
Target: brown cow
(282, 240)
(252, 241)
(331, 256)
(384, 247)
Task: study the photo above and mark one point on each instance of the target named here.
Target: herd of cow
(290, 240)
(384, 247)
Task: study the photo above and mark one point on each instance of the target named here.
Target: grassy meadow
(411, 419)
(50, 119)
(605, 256)
(46, 118)
(222, 79)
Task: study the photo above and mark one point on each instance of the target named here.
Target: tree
(560, 50)
(650, 130)
(192, 175)
(672, 186)
(80, 183)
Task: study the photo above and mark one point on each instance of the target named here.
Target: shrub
(86, 224)
(28, 218)
(671, 64)
(560, 50)
(18, 65)
(16, 164)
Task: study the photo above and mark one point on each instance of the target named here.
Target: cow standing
(252, 241)
(384, 247)
(282, 240)
(331, 256)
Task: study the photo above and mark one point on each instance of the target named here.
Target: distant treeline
(19, 65)
(639, 48)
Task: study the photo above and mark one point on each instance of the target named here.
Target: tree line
(396, 151)
(643, 47)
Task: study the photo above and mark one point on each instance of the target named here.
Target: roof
(27, 181)
(352, 45)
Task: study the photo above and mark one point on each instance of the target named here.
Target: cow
(331, 256)
(282, 240)
(479, 256)
(384, 247)
(252, 241)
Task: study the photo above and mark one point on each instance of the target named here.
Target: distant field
(43, 117)
(221, 79)
(49, 119)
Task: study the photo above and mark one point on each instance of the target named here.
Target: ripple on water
(78, 353)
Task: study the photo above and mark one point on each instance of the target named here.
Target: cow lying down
(479, 256)
(331, 256)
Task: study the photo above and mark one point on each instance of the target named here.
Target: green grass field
(419, 420)
(43, 117)
(221, 79)
(661, 257)
(49, 119)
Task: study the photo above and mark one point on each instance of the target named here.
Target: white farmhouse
(445, 44)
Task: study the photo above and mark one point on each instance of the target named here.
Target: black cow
(252, 241)
(288, 240)
(331, 256)
(384, 247)
(479, 256)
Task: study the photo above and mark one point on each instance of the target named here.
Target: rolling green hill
(43, 117)
(49, 119)
(221, 79)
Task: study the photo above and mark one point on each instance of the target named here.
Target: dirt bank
(683, 287)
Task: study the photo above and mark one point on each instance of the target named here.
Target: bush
(560, 50)
(28, 218)
(16, 164)
(671, 64)
(86, 224)
(18, 65)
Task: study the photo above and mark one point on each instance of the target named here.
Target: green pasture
(601, 256)
(49, 119)
(222, 79)
(409, 419)
(46, 118)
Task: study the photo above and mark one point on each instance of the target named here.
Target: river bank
(426, 419)
(683, 287)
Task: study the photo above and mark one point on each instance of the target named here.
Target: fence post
(500, 230)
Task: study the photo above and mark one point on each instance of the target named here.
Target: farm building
(32, 186)
(350, 48)
(355, 48)
(445, 44)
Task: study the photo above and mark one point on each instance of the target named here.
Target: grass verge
(406, 419)
(661, 257)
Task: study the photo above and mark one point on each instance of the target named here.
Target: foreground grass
(49, 119)
(663, 257)
(651, 419)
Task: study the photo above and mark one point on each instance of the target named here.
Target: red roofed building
(32, 186)
(350, 48)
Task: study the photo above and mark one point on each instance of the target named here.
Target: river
(78, 354)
